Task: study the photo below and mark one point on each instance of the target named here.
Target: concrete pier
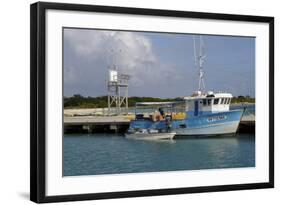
(98, 124)
(247, 124)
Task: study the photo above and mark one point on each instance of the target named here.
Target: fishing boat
(203, 113)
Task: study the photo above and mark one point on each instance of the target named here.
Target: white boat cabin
(204, 103)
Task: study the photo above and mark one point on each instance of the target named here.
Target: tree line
(243, 99)
(79, 101)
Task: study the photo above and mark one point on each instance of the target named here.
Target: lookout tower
(117, 88)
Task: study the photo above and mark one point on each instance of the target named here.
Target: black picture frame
(38, 101)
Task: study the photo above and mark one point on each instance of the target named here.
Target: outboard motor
(168, 119)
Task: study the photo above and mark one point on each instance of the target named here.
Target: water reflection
(113, 154)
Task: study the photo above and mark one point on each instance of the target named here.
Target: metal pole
(108, 98)
(118, 98)
(127, 91)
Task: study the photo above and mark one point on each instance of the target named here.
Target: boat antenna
(199, 60)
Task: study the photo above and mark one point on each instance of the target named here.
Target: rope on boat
(246, 111)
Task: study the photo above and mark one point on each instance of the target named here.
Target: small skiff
(150, 135)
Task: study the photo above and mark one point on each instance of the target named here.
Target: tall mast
(199, 60)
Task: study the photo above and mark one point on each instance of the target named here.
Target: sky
(160, 64)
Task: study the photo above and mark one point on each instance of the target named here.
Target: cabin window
(221, 100)
(209, 101)
(228, 101)
(225, 100)
(204, 102)
(216, 101)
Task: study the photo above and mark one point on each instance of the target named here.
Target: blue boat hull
(206, 124)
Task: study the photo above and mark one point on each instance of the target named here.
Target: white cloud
(130, 51)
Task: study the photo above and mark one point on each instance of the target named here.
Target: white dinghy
(150, 134)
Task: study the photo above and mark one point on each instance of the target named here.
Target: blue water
(113, 154)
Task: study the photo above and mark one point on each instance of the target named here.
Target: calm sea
(92, 154)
